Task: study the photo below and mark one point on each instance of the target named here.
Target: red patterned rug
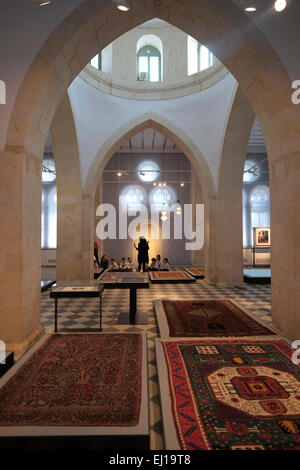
(198, 273)
(170, 276)
(234, 394)
(77, 380)
(209, 318)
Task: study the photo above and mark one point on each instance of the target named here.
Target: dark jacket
(143, 249)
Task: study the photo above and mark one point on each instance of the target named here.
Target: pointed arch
(191, 151)
(162, 125)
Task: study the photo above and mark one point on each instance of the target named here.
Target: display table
(7, 363)
(126, 280)
(76, 289)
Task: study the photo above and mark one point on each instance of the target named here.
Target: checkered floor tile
(79, 313)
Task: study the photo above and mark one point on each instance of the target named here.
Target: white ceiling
(152, 141)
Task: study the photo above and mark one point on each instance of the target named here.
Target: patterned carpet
(82, 313)
(198, 273)
(233, 394)
(179, 276)
(209, 318)
(77, 380)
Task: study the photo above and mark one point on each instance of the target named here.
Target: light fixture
(250, 9)
(45, 3)
(122, 5)
(164, 184)
(159, 184)
(182, 184)
(119, 173)
(178, 208)
(164, 213)
(154, 184)
(280, 5)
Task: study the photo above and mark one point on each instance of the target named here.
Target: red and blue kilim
(234, 394)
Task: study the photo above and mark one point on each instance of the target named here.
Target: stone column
(69, 253)
(285, 247)
(197, 198)
(210, 239)
(230, 192)
(20, 249)
(88, 236)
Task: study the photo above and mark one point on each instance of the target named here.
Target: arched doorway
(83, 33)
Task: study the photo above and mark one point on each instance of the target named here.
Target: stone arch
(192, 152)
(247, 55)
(157, 122)
(230, 186)
(89, 28)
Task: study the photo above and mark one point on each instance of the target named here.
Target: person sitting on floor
(104, 263)
(153, 265)
(129, 263)
(158, 262)
(123, 264)
(113, 265)
(165, 265)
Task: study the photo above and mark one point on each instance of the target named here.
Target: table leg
(100, 312)
(132, 305)
(55, 326)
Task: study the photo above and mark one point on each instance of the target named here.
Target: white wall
(202, 117)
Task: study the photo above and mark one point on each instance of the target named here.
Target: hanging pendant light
(164, 213)
(178, 209)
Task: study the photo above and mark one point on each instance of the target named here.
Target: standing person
(96, 248)
(143, 256)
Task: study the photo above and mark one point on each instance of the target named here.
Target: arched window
(254, 174)
(199, 57)
(161, 196)
(96, 61)
(49, 204)
(206, 58)
(149, 64)
(134, 196)
(148, 171)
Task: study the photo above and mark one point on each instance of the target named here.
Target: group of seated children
(127, 265)
(158, 265)
(113, 266)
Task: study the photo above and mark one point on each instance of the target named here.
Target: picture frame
(262, 236)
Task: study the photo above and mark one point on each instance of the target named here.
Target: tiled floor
(81, 313)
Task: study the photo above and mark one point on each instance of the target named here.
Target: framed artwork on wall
(262, 236)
